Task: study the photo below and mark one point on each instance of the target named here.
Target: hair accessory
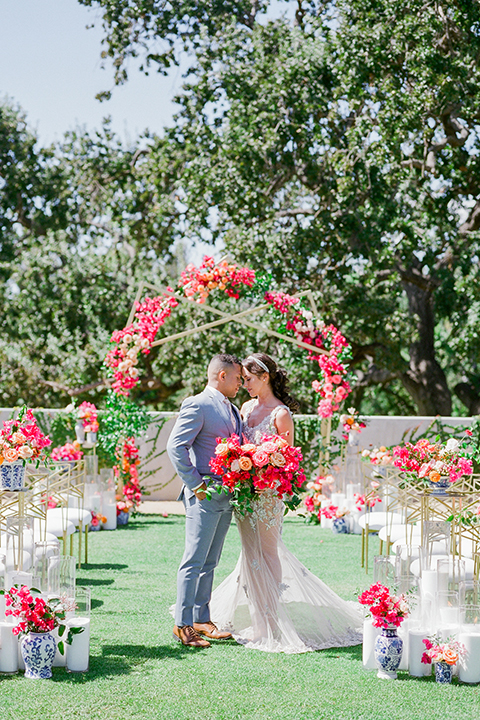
(259, 362)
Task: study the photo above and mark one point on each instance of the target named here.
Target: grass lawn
(137, 670)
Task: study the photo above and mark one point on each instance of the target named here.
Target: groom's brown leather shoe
(188, 636)
(211, 631)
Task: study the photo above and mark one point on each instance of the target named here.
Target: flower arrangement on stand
(249, 469)
(20, 440)
(37, 619)
(388, 611)
(351, 423)
(435, 464)
(88, 414)
(70, 452)
(378, 456)
(444, 654)
(338, 517)
(369, 500)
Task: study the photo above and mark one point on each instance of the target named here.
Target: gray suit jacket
(202, 419)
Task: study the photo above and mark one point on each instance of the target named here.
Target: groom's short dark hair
(226, 359)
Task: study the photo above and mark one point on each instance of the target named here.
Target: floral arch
(298, 323)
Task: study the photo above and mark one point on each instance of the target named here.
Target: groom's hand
(200, 493)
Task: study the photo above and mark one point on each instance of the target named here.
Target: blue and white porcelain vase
(38, 653)
(123, 518)
(443, 672)
(12, 475)
(388, 653)
(340, 526)
(440, 487)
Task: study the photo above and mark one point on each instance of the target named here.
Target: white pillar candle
(428, 584)
(338, 499)
(110, 512)
(469, 666)
(416, 648)
(78, 652)
(370, 634)
(403, 635)
(449, 616)
(8, 649)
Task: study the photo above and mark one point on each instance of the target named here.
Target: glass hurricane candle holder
(78, 652)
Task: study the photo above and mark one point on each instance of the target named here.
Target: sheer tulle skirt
(271, 601)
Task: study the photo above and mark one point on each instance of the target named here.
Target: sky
(50, 65)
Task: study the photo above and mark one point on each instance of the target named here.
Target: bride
(271, 601)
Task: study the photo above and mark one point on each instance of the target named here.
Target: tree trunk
(425, 380)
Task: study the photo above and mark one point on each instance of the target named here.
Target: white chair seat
(469, 566)
(376, 521)
(399, 532)
(58, 525)
(70, 514)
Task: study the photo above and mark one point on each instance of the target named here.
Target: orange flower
(245, 463)
(350, 421)
(10, 455)
(434, 476)
(450, 656)
(1, 459)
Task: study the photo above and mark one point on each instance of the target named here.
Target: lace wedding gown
(271, 601)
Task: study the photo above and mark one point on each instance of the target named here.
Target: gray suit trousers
(206, 525)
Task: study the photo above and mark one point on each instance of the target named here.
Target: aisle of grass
(138, 671)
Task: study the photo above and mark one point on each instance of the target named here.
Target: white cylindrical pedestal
(370, 634)
(469, 666)
(416, 648)
(8, 649)
(78, 652)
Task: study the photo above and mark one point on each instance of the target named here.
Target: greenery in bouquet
(426, 461)
(385, 608)
(22, 439)
(438, 650)
(247, 470)
(37, 616)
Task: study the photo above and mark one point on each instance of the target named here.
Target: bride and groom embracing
(270, 601)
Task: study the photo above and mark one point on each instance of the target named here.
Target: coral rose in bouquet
(385, 608)
(22, 439)
(430, 461)
(247, 470)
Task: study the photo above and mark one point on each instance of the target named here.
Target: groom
(192, 443)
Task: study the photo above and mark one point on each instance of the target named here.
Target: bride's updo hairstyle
(258, 364)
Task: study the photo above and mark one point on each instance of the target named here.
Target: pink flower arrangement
(313, 500)
(97, 519)
(124, 506)
(127, 470)
(88, 414)
(198, 283)
(22, 439)
(35, 614)
(431, 461)
(248, 469)
(332, 512)
(351, 423)
(69, 451)
(386, 609)
(438, 650)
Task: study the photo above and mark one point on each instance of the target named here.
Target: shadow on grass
(96, 603)
(134, 653)
(95, 581)
(104, 566)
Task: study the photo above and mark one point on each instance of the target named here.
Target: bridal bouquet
(386, 609)
(431, 461)
(22, 439)
(247, 470)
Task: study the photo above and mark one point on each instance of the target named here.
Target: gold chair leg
(363, 548)
(86, 544)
